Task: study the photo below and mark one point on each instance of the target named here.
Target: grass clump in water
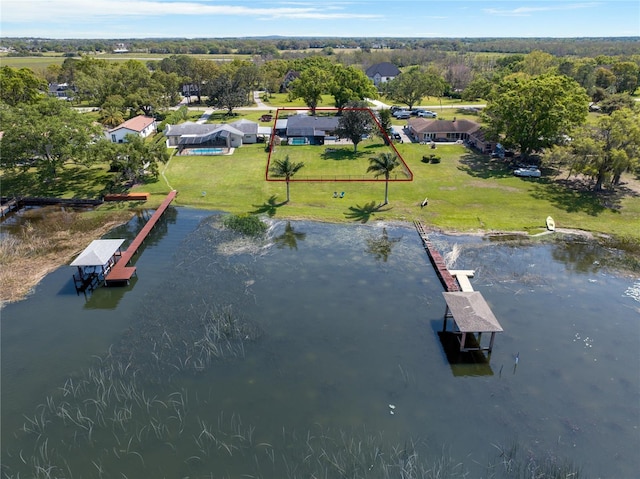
(245, 223)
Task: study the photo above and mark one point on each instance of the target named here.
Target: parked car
(427, 114)
(532, 171)
(397, 136)
(416, 112)
(395, 108)
(402, 114)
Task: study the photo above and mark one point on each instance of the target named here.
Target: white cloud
(18, 11)
(528, 11)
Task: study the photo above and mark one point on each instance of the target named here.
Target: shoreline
(26, 273)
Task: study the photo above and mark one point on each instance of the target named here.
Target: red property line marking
(320, 180)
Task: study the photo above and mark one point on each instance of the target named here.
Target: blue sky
(335, 18)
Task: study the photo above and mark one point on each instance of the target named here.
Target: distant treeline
(273, 47)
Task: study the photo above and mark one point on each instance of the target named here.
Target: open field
(40, 63)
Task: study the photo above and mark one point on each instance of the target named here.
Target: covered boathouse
(95, 263)
(471, 317)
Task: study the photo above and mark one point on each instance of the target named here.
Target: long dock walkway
(470, 313)
(121, 273)
(446, 278)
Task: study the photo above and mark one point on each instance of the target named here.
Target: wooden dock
(121, 273)
(470, 313)
(8, 207)
(446, 278)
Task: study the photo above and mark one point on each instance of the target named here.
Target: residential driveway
(402, 133)
(259, 104)
(378, 104)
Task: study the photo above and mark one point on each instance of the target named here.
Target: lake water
(234, 358)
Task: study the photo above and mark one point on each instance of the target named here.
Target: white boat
(551, 225)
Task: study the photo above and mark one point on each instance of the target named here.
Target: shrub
(431, 159)
(247, 224)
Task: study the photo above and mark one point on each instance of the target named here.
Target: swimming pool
(203, 151)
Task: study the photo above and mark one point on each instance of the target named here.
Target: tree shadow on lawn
(364, 213)
(480, 166)
(270, 207)
(80, 182)
(575, 195)
(342, 153)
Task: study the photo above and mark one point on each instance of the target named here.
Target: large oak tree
(48, 133)
(603, 151)
(533, 113)
(354, 123)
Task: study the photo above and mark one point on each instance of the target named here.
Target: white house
(382, 72)
(143, 126)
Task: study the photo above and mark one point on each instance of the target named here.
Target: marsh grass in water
(247, 224)
(43, 238)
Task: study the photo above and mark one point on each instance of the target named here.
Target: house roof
(189, 128)
(481, 135)
(384, 69)
(98, 253)
(304, 125)
(138, 123)
(291, 75)
(245, 126)
(424, 125)
(221, 131)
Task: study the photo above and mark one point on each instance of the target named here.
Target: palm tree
(285, 169)
(383, 164)
(111, 116)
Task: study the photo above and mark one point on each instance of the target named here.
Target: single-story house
(428, 130)
(313, 129)
(141, 125)
(479, 141)
(173, 133)
(230, 135)
(248, 128)
(382, 72)
(203, 135)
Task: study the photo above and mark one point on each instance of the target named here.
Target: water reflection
(289, 238)
(380, 248)
(232, 356)
(468, 363)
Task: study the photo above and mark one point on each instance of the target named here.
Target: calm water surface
(227, 357)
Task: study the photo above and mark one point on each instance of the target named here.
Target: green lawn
(334, 161)
(467, 192)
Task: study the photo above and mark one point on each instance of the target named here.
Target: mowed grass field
(467, 192)
(40, 63)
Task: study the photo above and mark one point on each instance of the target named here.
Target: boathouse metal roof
(98, 253)
(471, 312)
